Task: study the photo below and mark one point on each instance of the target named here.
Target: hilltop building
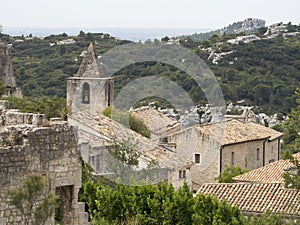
(213, 146)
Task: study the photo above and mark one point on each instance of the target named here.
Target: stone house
(213, 146)
(89, 92)
(30, 145)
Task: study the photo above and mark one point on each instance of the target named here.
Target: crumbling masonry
(31, 145)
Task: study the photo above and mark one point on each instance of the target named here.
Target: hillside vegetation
(264, 72)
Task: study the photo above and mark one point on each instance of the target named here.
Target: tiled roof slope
(237, 132)
(157, 122)
(256, 198)
(271, 173)
(107, 131)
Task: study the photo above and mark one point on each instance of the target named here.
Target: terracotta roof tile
(271, 173)
(258, 198)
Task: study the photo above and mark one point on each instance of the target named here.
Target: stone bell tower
(89, 89)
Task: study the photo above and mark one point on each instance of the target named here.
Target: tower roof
(88, 60)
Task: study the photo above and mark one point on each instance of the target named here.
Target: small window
(232, 158)
(182, 174)
(257, 154)
(197, 158)
(246, 162)
(86, 93)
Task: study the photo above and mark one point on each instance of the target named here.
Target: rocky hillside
(262, 69)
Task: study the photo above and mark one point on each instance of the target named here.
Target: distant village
(191, 146)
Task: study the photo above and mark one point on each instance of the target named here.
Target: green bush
(127, 119)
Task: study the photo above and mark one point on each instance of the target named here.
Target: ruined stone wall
(51, 151)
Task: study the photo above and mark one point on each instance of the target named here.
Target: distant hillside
(42, 65)
(247, 26)
(262, 68)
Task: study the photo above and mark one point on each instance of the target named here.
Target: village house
(213, 146)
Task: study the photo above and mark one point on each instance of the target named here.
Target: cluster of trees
(42, 70)
(162, 204)
(52, 107)
(155, 204)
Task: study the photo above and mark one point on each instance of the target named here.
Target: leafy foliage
(51, 107)
(230, 172)
(291, 128)
(127, 119)
(29, 200)
(156, 204)
(292, 176)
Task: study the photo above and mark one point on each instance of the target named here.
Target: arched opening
(86, 93)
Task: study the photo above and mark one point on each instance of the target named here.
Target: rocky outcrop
(7, 73)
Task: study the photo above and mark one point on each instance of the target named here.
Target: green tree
(35, 207)
(230, 172)
(292, 176)
(2, 85)
(291, 128)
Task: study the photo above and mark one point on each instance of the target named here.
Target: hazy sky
(139, 13)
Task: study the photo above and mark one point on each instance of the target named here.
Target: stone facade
(28, 147)
(246, 145)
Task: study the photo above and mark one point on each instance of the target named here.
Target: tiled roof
(233, 131)
(256, 197)
(271, 173)
(157, 122)
(101, 130)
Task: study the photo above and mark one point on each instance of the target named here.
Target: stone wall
(31, 148)
(252, 154)
(190, 142)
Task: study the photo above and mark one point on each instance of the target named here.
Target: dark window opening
(86, 93)
(197, 158)
(232, 158)
(257, 154)
(182, 174)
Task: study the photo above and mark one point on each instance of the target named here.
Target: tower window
(86, 93)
